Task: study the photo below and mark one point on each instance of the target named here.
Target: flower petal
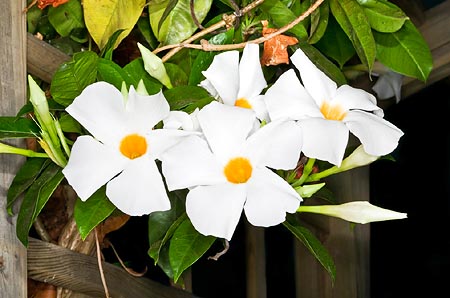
(223, 75)
(91, 165)
(317, 83)
(145, 111)
(276, 145)
(287, 98)
(191, 163)
(216, 209)
(251, 77)
(160, 140)
(225, 127)
(139, 189)
(100, 109)
(269, 198)
(354, 98)
(324, 139)
(378, 136)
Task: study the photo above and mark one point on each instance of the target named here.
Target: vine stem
(227, 21)
(99, 260)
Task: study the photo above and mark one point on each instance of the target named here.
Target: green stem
(307, 169)
(20, 151)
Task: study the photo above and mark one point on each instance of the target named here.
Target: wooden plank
(60, 266)
(43, 59)
(256, 262)
(13, 273)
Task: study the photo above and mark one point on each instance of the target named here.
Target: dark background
(412, 256)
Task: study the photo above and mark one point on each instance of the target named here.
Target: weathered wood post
(13, 260)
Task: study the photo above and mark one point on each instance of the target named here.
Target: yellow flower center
(238, 170)
(332, 112)
(243, 103)
(133, 146)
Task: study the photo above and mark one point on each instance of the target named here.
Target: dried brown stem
(100, 267)
(205, 46)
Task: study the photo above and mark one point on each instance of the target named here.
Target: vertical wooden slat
(13, 271)
(256, 262)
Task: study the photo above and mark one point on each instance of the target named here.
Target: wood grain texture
(43, 59)
(62, 267)
(13, 273)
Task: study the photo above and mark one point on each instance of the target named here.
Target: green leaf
(281, 15)
(186, 247)
(179, 24)
(92, 212)
(351, 17)
(187, 98)
(69, 124)
(177, 76)
(27, 174)
(319, 22)
(72, 77)
(104, 18)
(108, 49)
(135, 72)
(66, 17)
(335, 43)
(112, 73)
(405, 52)
(312, 244)
(146, 31)
(13, 127)
(383, 15)
(35, 199)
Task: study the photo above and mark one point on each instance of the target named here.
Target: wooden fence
(22, 53)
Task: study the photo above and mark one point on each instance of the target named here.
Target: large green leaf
(335, 43)
(26, 175)
(14, 127)
(405, 52)
(351, 17)
(66, 17)
(92, 212)
(72, 77)
(135, 72)
(319, 22)
(178, 25)
(103, 18)
(186, 247)
(383, 15)
(35, 199)
(281, 15)
(312, 244)
(187, 98)
(112, 73)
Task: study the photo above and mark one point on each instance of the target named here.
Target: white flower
(122, 150)
(389, 84)
(358, 212)
(229, 170)
(182, 120)
(328, 113)
(238, 83)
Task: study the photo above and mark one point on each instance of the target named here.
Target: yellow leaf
(104, 17)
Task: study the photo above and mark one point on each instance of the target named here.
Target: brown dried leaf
(111, 224)
(275, 49)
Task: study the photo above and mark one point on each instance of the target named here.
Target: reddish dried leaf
(41, 4)
(275, 49)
